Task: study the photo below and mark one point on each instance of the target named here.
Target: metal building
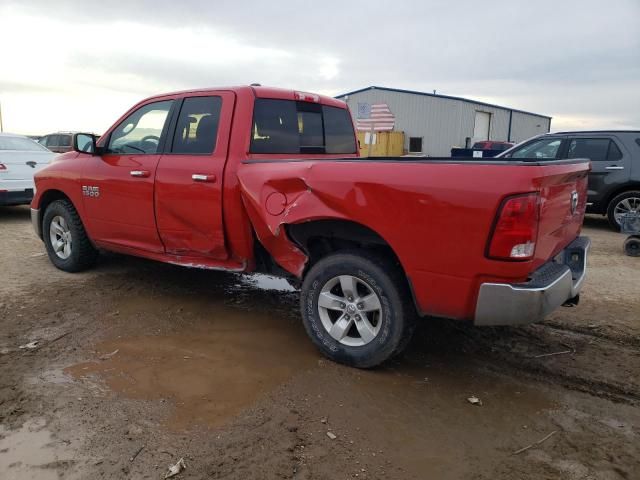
(433, 123)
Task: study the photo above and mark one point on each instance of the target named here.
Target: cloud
(571, 59)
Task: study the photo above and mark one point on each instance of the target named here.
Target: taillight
(516, 228)
(3, 166)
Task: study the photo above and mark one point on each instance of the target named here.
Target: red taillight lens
(516, 228)
(3, 166)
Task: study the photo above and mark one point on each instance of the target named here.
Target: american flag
(376, 116)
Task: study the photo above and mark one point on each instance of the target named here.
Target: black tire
(632, 246)
(614, 202)
(83, 254)
(397, 317)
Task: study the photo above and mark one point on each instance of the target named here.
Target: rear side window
(545, 148)
(614, 152)
(64, 140)
(286, 126)
(595, 149)
(197, 127)
(52, 141)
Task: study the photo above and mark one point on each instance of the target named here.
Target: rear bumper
(16, 197)
(552, 285)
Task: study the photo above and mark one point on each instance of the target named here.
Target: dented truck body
(261, 179)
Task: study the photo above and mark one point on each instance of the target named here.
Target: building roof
(460, 99)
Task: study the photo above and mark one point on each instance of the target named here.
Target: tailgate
(563, 201)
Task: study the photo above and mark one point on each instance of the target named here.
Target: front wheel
(65, 239)
(357, 310)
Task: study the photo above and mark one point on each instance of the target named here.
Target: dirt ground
(138, 364)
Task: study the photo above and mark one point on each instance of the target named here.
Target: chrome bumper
(35, 222)
(552, 285)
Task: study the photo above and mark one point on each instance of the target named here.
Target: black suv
(614, 180)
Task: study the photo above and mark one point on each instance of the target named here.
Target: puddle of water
(268, 282)
(210, 373)
(30, 453)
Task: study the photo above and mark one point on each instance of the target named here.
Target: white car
(20, 158)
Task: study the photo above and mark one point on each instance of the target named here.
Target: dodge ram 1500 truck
(261, 179)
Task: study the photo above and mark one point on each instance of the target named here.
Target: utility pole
(1, 129)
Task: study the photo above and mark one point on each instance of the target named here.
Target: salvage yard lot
(139, 364)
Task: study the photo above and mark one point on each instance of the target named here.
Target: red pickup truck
(260, 179)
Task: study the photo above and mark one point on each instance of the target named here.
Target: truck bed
(435, 213)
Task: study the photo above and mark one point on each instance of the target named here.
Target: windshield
(20, 143)
(545, 148)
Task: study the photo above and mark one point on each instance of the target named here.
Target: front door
(190, 174)
(118, 190)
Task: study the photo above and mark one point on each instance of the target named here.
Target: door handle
(614, 167)
(201, 177)
(139, 173)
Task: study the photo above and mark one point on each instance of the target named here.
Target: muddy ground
(139, 364)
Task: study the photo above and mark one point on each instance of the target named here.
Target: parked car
(492, 145)
(261, 179)
(20, 158)
(614, 181)
(485, 149)
(60, 142)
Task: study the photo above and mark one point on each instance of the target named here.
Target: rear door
(188, 188)
(610, 167)
(118, 187)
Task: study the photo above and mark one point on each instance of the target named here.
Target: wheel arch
(627, 187)
(319, 238)
(46, 199)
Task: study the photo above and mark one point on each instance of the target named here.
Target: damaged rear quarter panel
(436, 217)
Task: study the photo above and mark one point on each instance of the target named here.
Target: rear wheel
(65, 239)
(627, 202)
(357, 310)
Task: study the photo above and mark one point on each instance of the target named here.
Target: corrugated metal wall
(444, 123)
(526, 126)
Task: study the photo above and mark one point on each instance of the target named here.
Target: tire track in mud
(605, 366)
(596, 332)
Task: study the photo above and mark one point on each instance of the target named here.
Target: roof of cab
(260, 91)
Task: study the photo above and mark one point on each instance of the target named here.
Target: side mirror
(85, 143)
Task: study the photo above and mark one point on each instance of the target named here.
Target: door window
(545, 148)
(595, 149)
(197, 127)
(141, 131)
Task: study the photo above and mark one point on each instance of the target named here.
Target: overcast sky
(78, 65)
